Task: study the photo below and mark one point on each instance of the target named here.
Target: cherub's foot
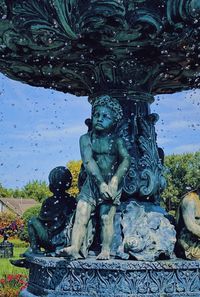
(69, 252)
(104, 255)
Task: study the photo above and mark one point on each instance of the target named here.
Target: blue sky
(40, 128)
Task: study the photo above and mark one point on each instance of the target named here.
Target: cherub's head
(106, 113)
(60, 179)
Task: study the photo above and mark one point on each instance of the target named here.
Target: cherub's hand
(113, 186)
(104, 190)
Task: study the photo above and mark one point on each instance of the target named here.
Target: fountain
(130, 51)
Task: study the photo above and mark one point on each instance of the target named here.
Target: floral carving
(114, 278)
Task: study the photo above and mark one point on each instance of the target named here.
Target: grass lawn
(7, 268)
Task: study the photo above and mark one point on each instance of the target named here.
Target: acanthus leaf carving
(150, 166)
(54, 16)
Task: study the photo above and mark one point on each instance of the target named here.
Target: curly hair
(60, 177)
(111, 103)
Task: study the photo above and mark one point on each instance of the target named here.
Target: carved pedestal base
(56, 277)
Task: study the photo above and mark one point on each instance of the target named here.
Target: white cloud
(164, 141)
(179, 124)
(44, 133)
(52, 134)
(187, 148)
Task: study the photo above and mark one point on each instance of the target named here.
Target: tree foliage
(74, 167)
(37, 190)
(5, 192)
(182, 173)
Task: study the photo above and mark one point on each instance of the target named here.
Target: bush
(10, 224)
(28, 214)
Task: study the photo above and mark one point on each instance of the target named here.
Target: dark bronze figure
(51, 229)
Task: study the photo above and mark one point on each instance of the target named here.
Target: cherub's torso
(193, 198)
(105, 153)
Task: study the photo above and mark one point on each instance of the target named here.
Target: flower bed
(12, 284)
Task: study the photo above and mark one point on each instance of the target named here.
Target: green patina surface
(86, 47)
(130, 50)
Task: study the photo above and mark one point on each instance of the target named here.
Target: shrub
(10, 224)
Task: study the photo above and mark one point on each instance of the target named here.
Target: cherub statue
(51, 229)
(188, 226)
(106, 161)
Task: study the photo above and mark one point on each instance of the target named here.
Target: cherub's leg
(83, 212)
(37, 235)
(107, 213)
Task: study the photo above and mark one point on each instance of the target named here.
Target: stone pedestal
(53, 277)
(6, 249)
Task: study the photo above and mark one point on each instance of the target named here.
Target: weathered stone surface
(143, 232)
(6, 249)
(53, 277)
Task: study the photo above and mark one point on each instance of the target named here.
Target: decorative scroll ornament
(150, 166)
(55, 43)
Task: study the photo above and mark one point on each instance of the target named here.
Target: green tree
(192, 176)
(37, 190)
(182, 172)
(11, 193)
(5, 192)
(74, 167)
(18, 193)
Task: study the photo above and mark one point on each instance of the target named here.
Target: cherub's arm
(91, 165)
(125, 160)
(188, 210)
(122, 168)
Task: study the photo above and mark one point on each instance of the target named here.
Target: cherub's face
(103, 118)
